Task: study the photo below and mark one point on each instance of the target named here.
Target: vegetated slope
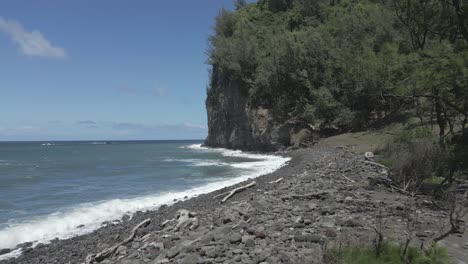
(287, 71)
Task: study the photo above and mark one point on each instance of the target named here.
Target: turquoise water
(47, 189)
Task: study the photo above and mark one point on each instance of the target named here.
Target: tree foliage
(348, 64)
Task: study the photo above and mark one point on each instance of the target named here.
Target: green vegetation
(390, 254)
(353, 65)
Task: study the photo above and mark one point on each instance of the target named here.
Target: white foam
(195, 147)
(13, 254)
(64, 224)
(200, 162)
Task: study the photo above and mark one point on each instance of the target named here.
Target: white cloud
(87, 122)
(196, 126)
(21, 130)
(31, 43)
(158, 91)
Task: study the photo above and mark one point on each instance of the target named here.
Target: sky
(104, 70)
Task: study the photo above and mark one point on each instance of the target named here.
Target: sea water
(64, 189)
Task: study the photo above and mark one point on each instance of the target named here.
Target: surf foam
(64, 224)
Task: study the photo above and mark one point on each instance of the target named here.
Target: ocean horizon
(61, 189)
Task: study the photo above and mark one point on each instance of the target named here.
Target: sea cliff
(235, 123)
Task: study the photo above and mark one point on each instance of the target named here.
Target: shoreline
(84, 218)
(265, 223)
(123, 225)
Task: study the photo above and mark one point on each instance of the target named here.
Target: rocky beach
(322, 199)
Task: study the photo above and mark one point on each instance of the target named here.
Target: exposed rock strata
(234, 123)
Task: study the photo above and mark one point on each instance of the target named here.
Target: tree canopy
(348, 64)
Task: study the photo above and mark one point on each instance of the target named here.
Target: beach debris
(234, 191)
(376, 164)
(186, 219)
(278, 180)
(109, 252)
(347, 178)
(369, 156)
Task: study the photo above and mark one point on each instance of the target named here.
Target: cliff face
(234, 123)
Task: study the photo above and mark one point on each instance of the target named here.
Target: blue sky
(108, 69)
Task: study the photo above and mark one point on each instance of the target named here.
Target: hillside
(285, 72)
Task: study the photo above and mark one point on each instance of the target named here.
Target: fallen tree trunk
(108, 252)
(236, 190)
(278, 180)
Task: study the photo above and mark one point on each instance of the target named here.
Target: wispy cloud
(20, 130)
(87, 122)
(125, 126)
(139, 128)
(31, 43)
(158, 91)
(195, 126)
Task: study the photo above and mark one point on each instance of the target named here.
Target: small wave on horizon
(200, 162)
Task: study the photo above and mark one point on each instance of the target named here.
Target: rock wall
(233, 123)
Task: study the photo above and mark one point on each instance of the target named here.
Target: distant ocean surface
(48, 189)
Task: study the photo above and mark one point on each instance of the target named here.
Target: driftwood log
(109, 252)
(278, 180)
(234, 191)
(376, 164)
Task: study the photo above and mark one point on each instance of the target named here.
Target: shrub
(390, 255)
(414, 156)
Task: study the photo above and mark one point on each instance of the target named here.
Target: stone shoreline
(323, 200)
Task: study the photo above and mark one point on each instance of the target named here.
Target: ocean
(64, 189)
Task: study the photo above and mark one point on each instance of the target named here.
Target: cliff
(236, 124)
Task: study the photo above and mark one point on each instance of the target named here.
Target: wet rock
(27, 250)
(5, 251)
(25, 245)
(125, 218)
(39, 246)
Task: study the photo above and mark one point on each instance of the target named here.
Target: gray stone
(235, 238)
(162, 260)
(249, 242)
(239, 251)
(173, 252)
(121, 250)
(190, 259)
(311, 238)
(5, 251)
